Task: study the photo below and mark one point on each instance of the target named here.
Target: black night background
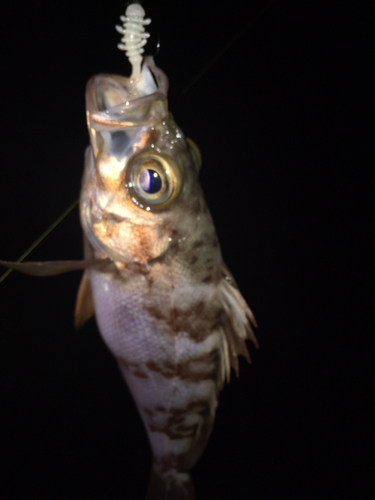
(279, 118)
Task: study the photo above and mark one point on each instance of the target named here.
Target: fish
(166, 304)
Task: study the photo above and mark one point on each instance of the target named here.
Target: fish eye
(153, 180)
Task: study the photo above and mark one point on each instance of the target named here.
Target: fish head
(140, 190)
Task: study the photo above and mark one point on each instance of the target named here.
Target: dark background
(279, 120)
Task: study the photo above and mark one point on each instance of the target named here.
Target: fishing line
(192, 82)
(41, 237)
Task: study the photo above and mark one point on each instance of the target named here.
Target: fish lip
(109, 117)
(121, 218)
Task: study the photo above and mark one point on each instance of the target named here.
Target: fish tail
(170, 485)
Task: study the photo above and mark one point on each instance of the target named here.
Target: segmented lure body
(134, 36)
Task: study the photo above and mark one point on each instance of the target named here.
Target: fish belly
(170, 365)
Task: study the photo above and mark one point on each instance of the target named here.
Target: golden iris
(153, 180)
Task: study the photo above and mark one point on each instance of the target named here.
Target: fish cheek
(135, 242)
(148, 242)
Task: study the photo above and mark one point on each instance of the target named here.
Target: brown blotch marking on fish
(174, 319)
(207, 279)
(198, 369)
(184, 461)
(174, 247)
(141, 243)
(208, 368)
(179, 488)
(150, 280)
(133, 368)
(171, 461)
(198, 308)
(196, 377)
(167, 368)
(191, 429)
(148, 412)
(193, 405)
(200, 407)
(165, 430)
(198, 321)
(139, 374)
(153, 136)
(174, 428)
(197, 244)
(218, 319)
(193, 260)
(178, 320)
(153, 311)
(128, 364)
(174, 431)
(180, 419)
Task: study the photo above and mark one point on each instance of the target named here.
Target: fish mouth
(121, 112)
(118, 101)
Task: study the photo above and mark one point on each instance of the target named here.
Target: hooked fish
(165, 303)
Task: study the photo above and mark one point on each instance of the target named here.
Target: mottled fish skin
(166, 305)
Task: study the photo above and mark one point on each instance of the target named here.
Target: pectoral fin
(238, 320)
(84, 304)
(50, 268)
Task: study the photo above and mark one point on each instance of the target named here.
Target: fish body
(166, 304)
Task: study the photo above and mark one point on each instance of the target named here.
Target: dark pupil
(150, 181)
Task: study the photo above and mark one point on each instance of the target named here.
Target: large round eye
(153, 180)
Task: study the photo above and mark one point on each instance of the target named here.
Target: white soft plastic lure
(166, 304)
